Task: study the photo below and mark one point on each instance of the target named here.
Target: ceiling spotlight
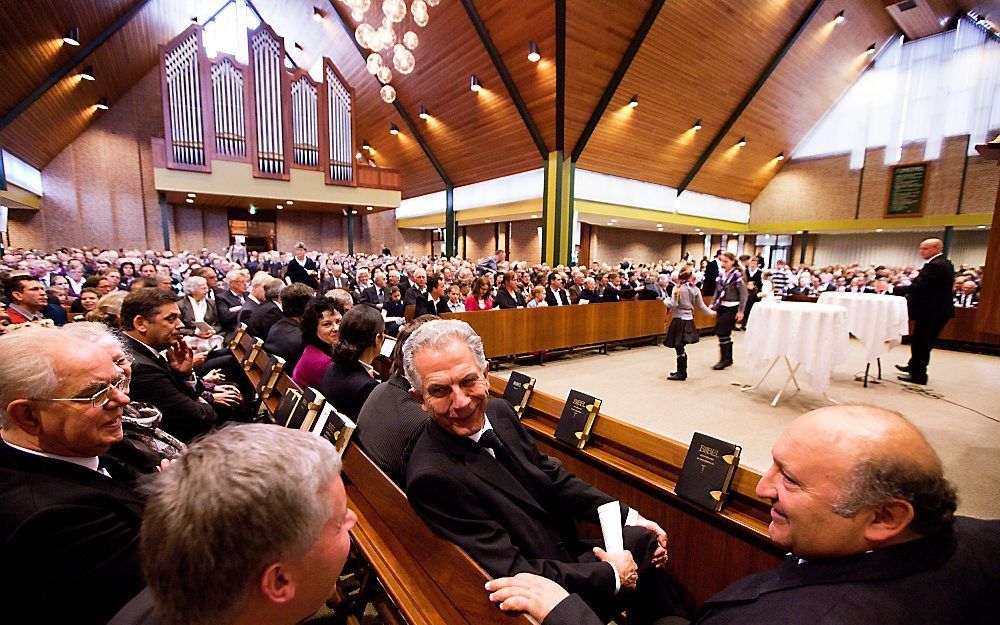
(369, 208)
(393, 129)
(317, 14)
(741, 142)
(253, 209)
(659, 225)
(475, 86)
(798, 232)
(634, 102)
(780, 156)
(534, 216)
(87, 73)
(840, 18)
(365, 145)
(871, 49)
(358, 155)
(193, 20)
(192, 195)
(423, 113)
(697, 125)
(279, 207)
(981, 227)
(614, 221)
(878, 230)
(487, 220)
(189, 201)
(298, 46)
(290, 202)
(102, 104)
(72, 36)
(533, 54)
(354, 212)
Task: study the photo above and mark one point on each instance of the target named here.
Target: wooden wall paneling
(822, 64)
(928, 17)
(693, 65)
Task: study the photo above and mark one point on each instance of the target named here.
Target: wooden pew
(708, 550)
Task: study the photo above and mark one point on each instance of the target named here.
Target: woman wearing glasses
(351, 378)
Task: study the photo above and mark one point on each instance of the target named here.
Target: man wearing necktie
(70, 521)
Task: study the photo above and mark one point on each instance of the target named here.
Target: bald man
(930, 304)
(860, 502)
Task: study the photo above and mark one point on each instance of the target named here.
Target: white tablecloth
(813, 335)
(874, 319)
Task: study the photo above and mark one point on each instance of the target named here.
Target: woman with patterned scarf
(729, 302)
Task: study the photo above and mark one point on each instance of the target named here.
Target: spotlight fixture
(298, 46)
(102, 104)
(423, 113)
(365, 145)
(279, 207)
(614, 221)
(290, 202)
(981, 227)
(697, 126)
(871, 49)
(634, 102)
(189, 201)
(487, 220)
(780, 156)
(87, 73)
(368, 208)
(253, 209)
(533, 54)
(741, 142)
(534, 216)
(193, 20)
(659, 225)
(840, 18)
(192, 195)
(72, 36)
(878, 230)
(475, 86)
(317, 14)
(393, 129)
(354, 212)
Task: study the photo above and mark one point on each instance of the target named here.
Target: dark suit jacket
(370, 296)
(187, 316)
(711, 275)
(590, 295)
(69, 540)
(297, 273)
(928, 296)
(248, 307)
(505, 300)
(650, 292)
(424, 306)
(389, 424)
(262, 318)
(285, 339)
(550, 297)
(411, 295)
(611, 294)
(506, 525)
(223, 302)
(347, 388)
(153, 382)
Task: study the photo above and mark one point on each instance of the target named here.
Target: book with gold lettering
(577, 419)
(334, 426)
(518, 391)
(708, 471)
(287, 406)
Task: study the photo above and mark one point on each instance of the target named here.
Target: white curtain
(923, 90)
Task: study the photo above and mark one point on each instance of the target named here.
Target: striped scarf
(723, 282)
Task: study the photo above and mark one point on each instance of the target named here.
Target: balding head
(930, 248)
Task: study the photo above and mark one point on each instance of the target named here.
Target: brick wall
(524, 241)
(610, 245)
(479, 241)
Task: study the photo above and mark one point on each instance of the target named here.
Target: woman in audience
(508, 295)
(128, 273)
(395, 311)
(85, 303)
(351, 378)
(537, 297)
(320, 330)
(682, 330)
(729, 302)
(197, 308)
(479, 298)
(108, 310)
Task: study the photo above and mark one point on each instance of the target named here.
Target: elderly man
(861, 503)
(930, 304)
(69, 522)
(476, 477)
(293, 524)
(230, 302)
(419, 288)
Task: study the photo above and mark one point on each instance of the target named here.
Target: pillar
(557, 210)
(164, 218)
(450, 223)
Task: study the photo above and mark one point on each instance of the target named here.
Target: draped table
(878, 321)
(815, 336)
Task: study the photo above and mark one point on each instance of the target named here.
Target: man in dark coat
(711, 274)
(929, 301)
(302, 268)
(285, 336)
(861, 503)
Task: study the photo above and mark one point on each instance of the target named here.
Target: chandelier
(389, 29)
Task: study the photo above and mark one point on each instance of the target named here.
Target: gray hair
(236, 273)
(193, 281)
(437, 334)
(273, 288)
(26, 368)
(237, 501)
(342, 297)
(92, 332)
(261, 277)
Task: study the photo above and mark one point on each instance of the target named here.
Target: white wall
(895, 249)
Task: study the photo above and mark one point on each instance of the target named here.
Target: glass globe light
(384, 75)
(364, 35)
(357, 15)
(394, 9)
(386, 37)
(403, 60)
(388, 94)
(419, 11)
(374, 63)
(432, 3)
(410, 39)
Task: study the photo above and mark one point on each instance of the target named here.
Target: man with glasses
(69, 522)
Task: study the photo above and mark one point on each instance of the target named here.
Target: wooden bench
(708, 550)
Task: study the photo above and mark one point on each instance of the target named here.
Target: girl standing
(729, 302)
(682, 330)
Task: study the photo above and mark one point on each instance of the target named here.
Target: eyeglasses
(98, 399)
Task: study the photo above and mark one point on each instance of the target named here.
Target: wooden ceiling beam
(512, 90)
(560, 75)
(399, 107)
(71, 64)
(616, 78)
(717, 139)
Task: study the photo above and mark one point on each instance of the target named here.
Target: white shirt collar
(486, 426)
(933, 257)
(89, 463)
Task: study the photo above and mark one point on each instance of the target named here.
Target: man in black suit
(285, 336)
(302, 268)
(435, 302)
(151, 324)
(967, 297)
(613, 292)
(69, 521)
(376, 294)
(861, 503)
(477, 478)
(418, 290)
(555, 294)
(268, 313)
(930, 305)
(255, 297)
(711, 274)
(229, 303)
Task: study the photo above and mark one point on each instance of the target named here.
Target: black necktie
(490, 440)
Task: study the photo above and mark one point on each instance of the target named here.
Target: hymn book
(708, 471)
(334, 427)
(286, 407)
(518, 391)
(577, 419)
(303, 416)
(273, 368)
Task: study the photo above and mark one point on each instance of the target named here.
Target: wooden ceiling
(698, 61)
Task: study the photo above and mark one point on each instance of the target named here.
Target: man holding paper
(477, 478)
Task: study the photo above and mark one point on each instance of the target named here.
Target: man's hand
(525, 592)
(180, 357)
(624, 563)
(215, 376)
(660, 556)
(227, 395)
(204, 333)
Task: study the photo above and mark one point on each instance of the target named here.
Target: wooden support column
(988, 314)
(557, 210)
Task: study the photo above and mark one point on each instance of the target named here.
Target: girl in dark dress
(682, 330)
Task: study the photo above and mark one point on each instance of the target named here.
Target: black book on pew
(271, 371)
(290, 401)
(307, 410)
(577, 419)
(518, 391)
(708, 471)
(334, 427)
